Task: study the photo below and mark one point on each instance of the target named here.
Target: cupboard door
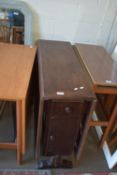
(63, 122)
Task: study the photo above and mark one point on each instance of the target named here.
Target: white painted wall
(86, 21)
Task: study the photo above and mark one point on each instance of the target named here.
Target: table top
(16, 63)
(101, 67)
(61, 75)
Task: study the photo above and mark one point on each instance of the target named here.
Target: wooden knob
(67, 109)
(51, 137)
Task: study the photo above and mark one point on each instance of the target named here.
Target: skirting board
(110, 158)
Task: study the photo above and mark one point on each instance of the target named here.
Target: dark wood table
(102, 70)
(66, 99)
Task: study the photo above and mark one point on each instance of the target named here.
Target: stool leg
(109, 127)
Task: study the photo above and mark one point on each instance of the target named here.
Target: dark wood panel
(61, 73)
(62, 127)
(65, 109)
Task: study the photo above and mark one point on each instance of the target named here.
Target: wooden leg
(109, 103)
(19, 127)
(23, 126)
(39, 129)
(109, 127)
(114, 140)
(86, 128)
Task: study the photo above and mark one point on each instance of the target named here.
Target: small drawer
(72, 109)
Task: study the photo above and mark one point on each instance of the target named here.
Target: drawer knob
(51, 137)
(67, 109)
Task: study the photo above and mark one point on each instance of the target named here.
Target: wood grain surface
(101, 67)
(61, 74)
(16, 62)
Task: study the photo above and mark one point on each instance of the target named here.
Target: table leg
(19, 127)
(109, 127)
(23, 127)
(39, 129)
(86, 129)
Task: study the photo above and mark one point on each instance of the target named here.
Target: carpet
(45, 172)
(24, 172)
(89, 174)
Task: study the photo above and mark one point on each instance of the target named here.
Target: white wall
(86, 21)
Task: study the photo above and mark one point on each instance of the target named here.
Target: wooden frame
(110, 158)
(23, 7)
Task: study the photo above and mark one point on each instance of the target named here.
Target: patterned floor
(45, 172)
(24, 172)
(89, 174)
